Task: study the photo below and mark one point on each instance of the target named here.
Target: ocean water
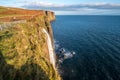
(95, 41)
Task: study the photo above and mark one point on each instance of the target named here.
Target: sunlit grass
(23, 49)
(2, 9)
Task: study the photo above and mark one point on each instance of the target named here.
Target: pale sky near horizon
(69, 7)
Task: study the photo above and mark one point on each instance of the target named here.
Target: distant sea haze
(95, 41)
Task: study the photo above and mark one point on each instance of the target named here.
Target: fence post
(0, 27)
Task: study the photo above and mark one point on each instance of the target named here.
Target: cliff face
(24, 51)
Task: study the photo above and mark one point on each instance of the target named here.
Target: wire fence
(5, 25)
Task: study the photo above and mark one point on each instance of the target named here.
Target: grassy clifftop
(23, 49)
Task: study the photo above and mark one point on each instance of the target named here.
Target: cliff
(24, 45)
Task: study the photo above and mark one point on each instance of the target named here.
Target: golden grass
(23, 54)
(2, 9)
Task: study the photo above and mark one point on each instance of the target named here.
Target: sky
(69, 7)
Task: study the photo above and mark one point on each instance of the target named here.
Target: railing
(21, 19)
(10, 24)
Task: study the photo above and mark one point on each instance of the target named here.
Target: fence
(10, 24)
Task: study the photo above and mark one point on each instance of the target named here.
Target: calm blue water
(96, 42)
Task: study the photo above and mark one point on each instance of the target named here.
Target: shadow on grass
(29, 71)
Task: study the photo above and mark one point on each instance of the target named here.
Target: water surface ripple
(96, 42)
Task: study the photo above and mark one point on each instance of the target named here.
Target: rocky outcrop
(50, 14)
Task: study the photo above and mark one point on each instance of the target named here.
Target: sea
(87, 46)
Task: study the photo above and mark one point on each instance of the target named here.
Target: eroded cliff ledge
(24, 53)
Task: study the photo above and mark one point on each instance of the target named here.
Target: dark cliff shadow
(29, 71)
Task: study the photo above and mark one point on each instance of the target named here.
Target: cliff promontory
(26, 45)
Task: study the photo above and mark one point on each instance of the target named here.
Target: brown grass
(13, 14)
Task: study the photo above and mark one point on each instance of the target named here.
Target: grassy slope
(4, 9)
(22, 52)
(17, 11)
